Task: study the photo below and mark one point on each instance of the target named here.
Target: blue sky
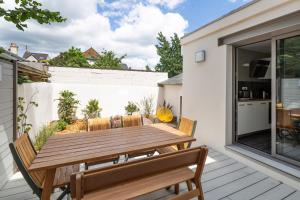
(199, 12)
(124, 26)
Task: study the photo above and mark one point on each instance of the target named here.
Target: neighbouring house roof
(175, 80)
(223, 16)
(91, 53)
(35, 71)
(37, 56)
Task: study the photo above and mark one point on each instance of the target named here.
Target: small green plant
(131, 108)
(44, 134)
(67, 106)
(92, 109)
(61, 125)
(146, 105)
(23, 108)
(23, 79)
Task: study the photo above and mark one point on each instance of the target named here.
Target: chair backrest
(132, 120)
(279, 105)
(87, 181)
(24, 153)
(283, 118)
(187, 126)
(97, 124)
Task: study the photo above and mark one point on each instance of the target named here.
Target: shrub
(67, 106)
(61, 125)
(92, 109)
(44, 134)
(146, 106)
(23, 108)
(131, 108)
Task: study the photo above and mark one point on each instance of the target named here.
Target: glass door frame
(274, 93)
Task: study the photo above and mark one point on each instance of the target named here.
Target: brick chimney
(13, 48)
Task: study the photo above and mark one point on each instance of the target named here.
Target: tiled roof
(91, 53)
(37, 56)
(175, 80)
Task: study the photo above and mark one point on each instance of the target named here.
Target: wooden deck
(223, 178)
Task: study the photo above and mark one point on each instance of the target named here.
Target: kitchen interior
(253, 86)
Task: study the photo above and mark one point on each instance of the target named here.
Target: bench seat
(135, 188)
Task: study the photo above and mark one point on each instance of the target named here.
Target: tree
(29, 9)
(71, 58)
(108, 60)
(148, 69)
(170, 55)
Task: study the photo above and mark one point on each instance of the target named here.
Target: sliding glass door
(286, 138)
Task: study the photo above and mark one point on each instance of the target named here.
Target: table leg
(48, 184)
(179, 147)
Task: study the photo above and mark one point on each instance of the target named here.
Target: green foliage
(92, 109)
(26, 10)
(67, 106)
(108, 60)
(61, 125)
(131, 108)
(170, 55)
(23, 108)
(146, 105)
(2, 50)
(148, 69)
(288, 58)
(23, 79)
(71, 58)
(44, 134)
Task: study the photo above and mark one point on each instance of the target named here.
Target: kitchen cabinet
(253, 116)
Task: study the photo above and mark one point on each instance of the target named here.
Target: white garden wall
(172, 95)
(113, 88)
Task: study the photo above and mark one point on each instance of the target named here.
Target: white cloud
(135, 35)
(168, 3)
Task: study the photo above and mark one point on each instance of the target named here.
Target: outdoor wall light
(200, 56)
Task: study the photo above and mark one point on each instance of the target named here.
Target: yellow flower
(164, 114)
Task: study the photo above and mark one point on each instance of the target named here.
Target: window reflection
(288, 98)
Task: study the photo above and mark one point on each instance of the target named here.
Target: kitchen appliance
(259, 68)
(244, 93)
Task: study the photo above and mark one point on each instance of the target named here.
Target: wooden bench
(135, 178)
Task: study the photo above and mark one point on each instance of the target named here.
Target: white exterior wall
(204, 84)
(6, 121)
(31, 59)
(171, 94)
(112, 88)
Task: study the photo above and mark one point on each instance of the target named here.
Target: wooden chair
(186, 126)
(132, 120)
(135, 178)
(135, 120)
(285, 126)
(24, 153)
(99, 124)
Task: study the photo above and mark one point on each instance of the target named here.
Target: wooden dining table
(76, 148)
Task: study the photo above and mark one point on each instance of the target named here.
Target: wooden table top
(64, 150)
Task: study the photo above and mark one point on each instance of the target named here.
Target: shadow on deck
(223, 178)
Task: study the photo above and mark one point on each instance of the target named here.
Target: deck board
(223, 178)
